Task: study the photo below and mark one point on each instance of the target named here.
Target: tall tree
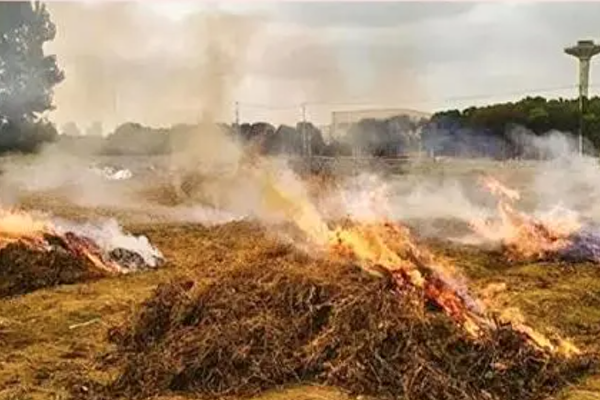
(27, 74)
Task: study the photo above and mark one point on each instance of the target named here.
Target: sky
(160, 63)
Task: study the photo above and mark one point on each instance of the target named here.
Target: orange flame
(20, 226)
(17, 226)
(388, 248)
(524, 237)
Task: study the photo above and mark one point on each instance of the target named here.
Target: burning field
(366, 305)
(36, 252)
(558, 234)
(244, 312)
(370, 310)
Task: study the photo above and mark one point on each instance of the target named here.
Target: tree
(494, 130)
(71, 129)
(27, 75)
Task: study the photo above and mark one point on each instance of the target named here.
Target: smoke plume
(110, 236)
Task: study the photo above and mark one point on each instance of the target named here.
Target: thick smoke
(227, 40)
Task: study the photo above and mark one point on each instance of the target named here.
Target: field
(54, 341)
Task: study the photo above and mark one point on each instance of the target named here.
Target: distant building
(342, 120)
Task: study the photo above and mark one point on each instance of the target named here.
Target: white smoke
(560, 185)
(371, 197)
(110, 236)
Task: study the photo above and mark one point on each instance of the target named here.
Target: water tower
(583, 51)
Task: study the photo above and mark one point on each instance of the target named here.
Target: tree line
(28, 77)
(499, 131)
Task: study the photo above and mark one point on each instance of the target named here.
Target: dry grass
(51, 338)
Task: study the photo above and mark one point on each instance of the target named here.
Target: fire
(388, 248)
(17, 225)
(525, 237)
(41, 234)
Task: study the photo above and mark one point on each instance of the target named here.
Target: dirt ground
(52, 338)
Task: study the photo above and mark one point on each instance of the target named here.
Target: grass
(46, 343)
(51, 338)
(557, 297)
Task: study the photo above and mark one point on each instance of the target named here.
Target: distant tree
(313, 135)
(487, 130)
(133, 138)
(262, 136)
(70, 129)
(388, 137)
(337, 148)
(290, 140)
(27, 75)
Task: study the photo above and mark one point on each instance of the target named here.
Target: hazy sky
(150, 62)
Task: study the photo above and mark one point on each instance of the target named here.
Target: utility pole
(303, 132)
(237, 121)
(583, 51)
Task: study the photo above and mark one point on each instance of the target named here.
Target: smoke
(227, 39)
(194, 78)
(420, 199)
(207, 216)
(567, 179)
(57, 171)
(124, 63)
(560, 186)
(193, 68)
(110, 236)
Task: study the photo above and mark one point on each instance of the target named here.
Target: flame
(17, 226)
(385, 248)
(524, 237)
(295, 206)
(498, 189)
(388, 248)
(20, 226)
(379, 248)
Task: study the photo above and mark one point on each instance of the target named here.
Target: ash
(131, 260)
